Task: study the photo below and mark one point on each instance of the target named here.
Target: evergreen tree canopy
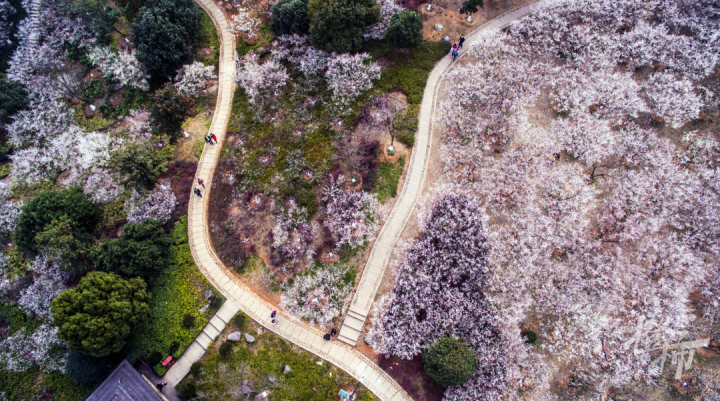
(338, 26)
(96, 317)
(164, 33)
(142, 250)
(168, 112)
(450, 361)
(50, 206)
(405, 30)
(289, 17)
(13, 96)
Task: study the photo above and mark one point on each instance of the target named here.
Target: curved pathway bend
(240, 297)
(412, 188)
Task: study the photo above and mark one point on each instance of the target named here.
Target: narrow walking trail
(240, 297)
(412, 188)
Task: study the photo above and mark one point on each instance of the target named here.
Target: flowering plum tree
(578, 138)
(292, 234)
(262, 82)
(123, 66)
(351, 217)
(318, 296)
(41, 348)
(192, 78)
(157, 205)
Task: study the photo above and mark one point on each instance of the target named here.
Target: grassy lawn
(176, 293)
(220, 377)
(388, 177)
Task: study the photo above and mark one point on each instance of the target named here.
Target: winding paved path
(239, 297)
(412, 188)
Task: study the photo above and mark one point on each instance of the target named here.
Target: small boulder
(439, 27)
(249, 338)
(287, 369)
(272, 379)
(234, 336)
(208, 294)
(429, 7)
(204, 308)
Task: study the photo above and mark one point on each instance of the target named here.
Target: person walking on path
(213, 137)
(208, 140)
(273, 314)
(461, 41)
(326, 337)
(201, 182)
(455, 54)
(198, 193)
(333, 332)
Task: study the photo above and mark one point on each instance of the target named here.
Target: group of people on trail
(455, 51)
(209, 138)
(274, 320)
(196, 191)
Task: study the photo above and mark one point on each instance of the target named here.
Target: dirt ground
(454, 24)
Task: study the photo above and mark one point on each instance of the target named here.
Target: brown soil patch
(446, 13)
(412, 377)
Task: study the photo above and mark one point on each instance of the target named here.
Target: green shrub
(196, 368)
(471, 6)
(188, 321)
(138, 166)
(529, 336)
(225, 349)
(450, 361)
(407, 125)
(188, 390)
(5, 170)
(154, 358)
(48, 206)
(13, 96)
(168, 111)
(240, 321)
(5, 150)
(94, 90)
(405, 30)
(94, 124)
(215, 302)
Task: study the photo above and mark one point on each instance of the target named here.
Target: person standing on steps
(201, 182)
(326, 337)
(461, 41)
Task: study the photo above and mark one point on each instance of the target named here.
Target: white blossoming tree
(192, 78)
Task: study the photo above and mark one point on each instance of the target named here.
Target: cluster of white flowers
(48, 282)
(599, 200)
(439, 291)
(9, 212)
(192, 78)
(123, 66)
(388, 8)
(346, 75)
(100, 186)
(262, 82)
(351, 217)
(292, 234)
(318, 296)
(5, 11)
(138, 125)
(242, 22)
(42, 348)
(157, 205)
